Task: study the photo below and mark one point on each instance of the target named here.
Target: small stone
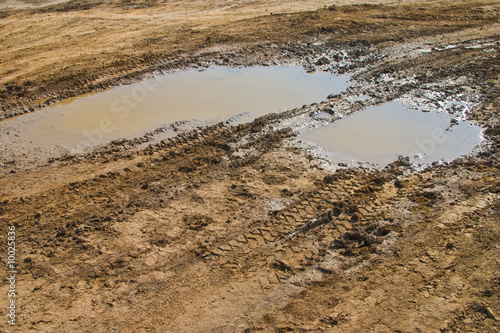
(491, 314)
(322, 61)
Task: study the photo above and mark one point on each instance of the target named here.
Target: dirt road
(235, 228)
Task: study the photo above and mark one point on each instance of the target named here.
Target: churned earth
(244, 228)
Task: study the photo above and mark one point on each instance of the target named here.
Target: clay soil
(235, 228)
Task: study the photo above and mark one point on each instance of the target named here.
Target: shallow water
(378, 135)
(209, 96)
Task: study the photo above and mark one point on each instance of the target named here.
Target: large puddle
(378, 135)
(215, 94)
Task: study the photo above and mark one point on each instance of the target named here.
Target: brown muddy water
(204, 97)
(379, 134)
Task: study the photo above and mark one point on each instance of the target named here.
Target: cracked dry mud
(239, 229)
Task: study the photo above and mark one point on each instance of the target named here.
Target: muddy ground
(240, 228)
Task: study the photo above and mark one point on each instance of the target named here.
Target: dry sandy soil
(233, 228)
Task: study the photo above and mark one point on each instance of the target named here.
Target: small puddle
(379, 134)
(209, 96)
